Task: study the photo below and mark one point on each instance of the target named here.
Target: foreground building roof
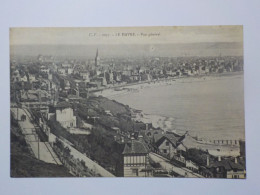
(63, 105)
(135, 147)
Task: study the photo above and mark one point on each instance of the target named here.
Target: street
(41, 150)
(169, 167)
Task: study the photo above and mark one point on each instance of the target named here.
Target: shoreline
(166, 123)
(135, 87)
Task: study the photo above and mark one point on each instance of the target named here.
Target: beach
(209, 107)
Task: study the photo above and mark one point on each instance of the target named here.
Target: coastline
(135, 87)
(160, 121)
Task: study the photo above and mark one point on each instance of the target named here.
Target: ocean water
(210, 108)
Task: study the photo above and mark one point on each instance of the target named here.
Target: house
(99, 81)
(135, 160)
(85, 76)
(77, 69)
(31, 78)
(65, 84)
(167, 145)
(146, 77)
(62, 71)
(64, 115)
(16, 76)
(44, 69)
(227, 168)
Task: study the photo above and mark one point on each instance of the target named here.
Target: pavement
(41, 150)
(170, 167)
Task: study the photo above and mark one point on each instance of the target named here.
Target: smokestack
(219, 158)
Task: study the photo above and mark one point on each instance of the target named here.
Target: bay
(211, 108)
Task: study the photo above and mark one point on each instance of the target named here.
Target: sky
(114, 35)
(128, 41)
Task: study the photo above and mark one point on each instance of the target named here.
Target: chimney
(132, 144)
(146, 126)
(207, 161)
(236, 160)
(219, 158)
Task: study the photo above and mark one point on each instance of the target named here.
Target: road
(89, 163)
(169, 167)
(41, 150)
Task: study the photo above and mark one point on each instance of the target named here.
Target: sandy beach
(135, 87)
(179, 122)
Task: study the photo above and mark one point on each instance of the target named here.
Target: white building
(65, 115)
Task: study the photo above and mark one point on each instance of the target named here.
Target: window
(135, 172)
(167, 143)
(164, 151)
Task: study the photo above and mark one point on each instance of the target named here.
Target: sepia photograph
(159, 101)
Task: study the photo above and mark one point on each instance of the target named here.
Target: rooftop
(173, 138)
(63, 105)
(228, 165)
(135, 147)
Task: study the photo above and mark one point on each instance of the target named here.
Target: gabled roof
(188, 141)
(157, 136)
(170, 137)
(228, 165)
(135, 147)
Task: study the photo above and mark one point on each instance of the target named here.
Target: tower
(97, 59)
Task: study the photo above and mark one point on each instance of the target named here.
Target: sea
(210, 108)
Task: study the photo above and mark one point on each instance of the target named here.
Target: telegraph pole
(38, 147)
(17, 102)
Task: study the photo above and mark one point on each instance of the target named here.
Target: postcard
(127, 102)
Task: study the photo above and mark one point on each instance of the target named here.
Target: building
(242, 148)
(167, 145)
(31, 78)
(64, 115)
(85, 76)
(229, 169)
(44, 69)
(16, 76)
(135, 160)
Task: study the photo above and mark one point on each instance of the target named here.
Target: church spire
(97, 59)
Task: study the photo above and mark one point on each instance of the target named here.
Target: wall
(135, 162)
(65, 117)
(169, 149)
(239, 174)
